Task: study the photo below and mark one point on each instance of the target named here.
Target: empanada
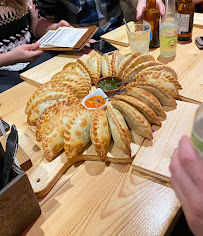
(141, 106)
(80, 85)
(94, 63)
(132, 73)
(117, 59)
(53, 135)
(165, 69)
(126, 62)
(77, 132)
(135, 120)
(100, 132)
(138, 60)
(158, 91)
(59, 76)
(106, 69)
(76, 67)
(48, 88)
(146, 97)
(46, 116)
(119, 130)
(46, 101)
(82, 63)
(158, 77)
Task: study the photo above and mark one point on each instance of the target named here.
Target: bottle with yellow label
(169, 31)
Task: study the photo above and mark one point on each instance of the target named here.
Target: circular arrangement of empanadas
(62, 122)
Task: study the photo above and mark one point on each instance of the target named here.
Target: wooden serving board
(49, 68)
(151, 157)
(44, 177)
(118, 36)
(154, 157)
(198, 20)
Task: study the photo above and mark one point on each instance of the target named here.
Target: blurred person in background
(106, 14)
(20, 24)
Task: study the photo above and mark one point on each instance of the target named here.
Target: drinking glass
(197, 131)
(139, 37)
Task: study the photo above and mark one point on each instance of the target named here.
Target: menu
(66, 38)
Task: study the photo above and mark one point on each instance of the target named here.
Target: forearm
(6, 59)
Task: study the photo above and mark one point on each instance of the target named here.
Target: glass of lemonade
(139, 37)
(197, 131)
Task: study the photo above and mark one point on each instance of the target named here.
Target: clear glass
(169, 31)
(197, 131)
(139, 37)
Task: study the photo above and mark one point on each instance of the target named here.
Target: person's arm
(22, 53)
(141, 6)
(187, 180)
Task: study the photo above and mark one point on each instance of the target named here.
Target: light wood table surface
(94, 198)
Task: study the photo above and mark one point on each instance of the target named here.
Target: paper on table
(62, 37)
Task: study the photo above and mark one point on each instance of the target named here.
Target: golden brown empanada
(77, 132)
(119, 130)
(158, 77)
(158, 91)
(132, 73)
(135, 120)
(117, 59)
(46, 116)
(45, 102)
(53, 135)
(106, 69)
(60, 75)
(94, 63)
(80, 85)
(146, 97)
(141, 106)
(138, 60)
(82, 63)
(76, 67)
(46, 89)
(100, 132)
(126, 62)
(165, 69)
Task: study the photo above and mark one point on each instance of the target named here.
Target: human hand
(187, 180)
(141, 6)
(57, 25)
(89, 42)
(24, 53)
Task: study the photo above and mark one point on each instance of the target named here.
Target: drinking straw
(127, 25)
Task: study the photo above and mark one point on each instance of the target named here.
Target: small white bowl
(97, 92)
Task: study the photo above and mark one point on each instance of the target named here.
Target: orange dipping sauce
(94, 104)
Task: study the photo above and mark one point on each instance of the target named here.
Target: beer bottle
(152, 16)
(185, 15)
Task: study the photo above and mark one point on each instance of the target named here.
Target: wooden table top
(94, 198)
